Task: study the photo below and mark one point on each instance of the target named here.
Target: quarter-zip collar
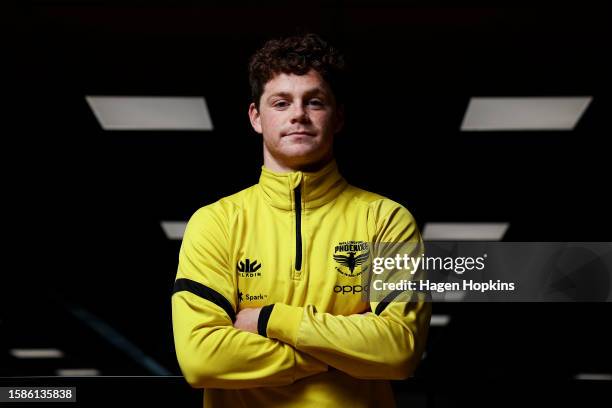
(317, 188)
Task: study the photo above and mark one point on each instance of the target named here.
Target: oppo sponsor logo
(350, 289)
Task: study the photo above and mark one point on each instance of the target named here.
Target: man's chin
(299, 149)
(298, 154)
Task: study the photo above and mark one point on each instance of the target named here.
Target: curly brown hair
(297, 55)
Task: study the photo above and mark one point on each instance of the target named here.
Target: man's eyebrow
(315, 91)
(310, 92)
(281, 94)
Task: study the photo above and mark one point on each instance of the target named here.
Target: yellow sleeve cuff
(284, 323)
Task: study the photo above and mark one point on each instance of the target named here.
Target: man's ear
(255, 118)
(339, 118)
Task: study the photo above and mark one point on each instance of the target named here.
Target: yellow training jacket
(288, 244)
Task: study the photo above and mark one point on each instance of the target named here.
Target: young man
(267, 305)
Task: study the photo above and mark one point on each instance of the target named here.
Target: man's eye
(281, 104)
(316, 102)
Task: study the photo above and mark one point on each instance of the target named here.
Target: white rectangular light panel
(174, 229)
(439, 320)
(150, 113)
(524, 113)
(37, 353)
(463, 231)
(594, 377)
(77, 372)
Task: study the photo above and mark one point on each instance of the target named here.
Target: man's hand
(247, 319)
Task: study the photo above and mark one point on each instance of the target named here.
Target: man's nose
(299, 113)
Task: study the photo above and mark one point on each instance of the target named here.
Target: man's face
(298, 118)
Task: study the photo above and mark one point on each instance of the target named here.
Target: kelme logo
(248, 269)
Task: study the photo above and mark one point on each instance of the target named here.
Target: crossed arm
(387, 344)
(216, 352)
(279, 344)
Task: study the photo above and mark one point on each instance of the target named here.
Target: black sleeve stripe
(262, 322)
(205, 293)
(385, 302)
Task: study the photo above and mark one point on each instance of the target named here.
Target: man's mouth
(301, 133)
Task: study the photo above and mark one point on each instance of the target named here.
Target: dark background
(85, 205)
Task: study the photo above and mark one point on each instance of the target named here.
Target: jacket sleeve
(385, 344)
(210, 351)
